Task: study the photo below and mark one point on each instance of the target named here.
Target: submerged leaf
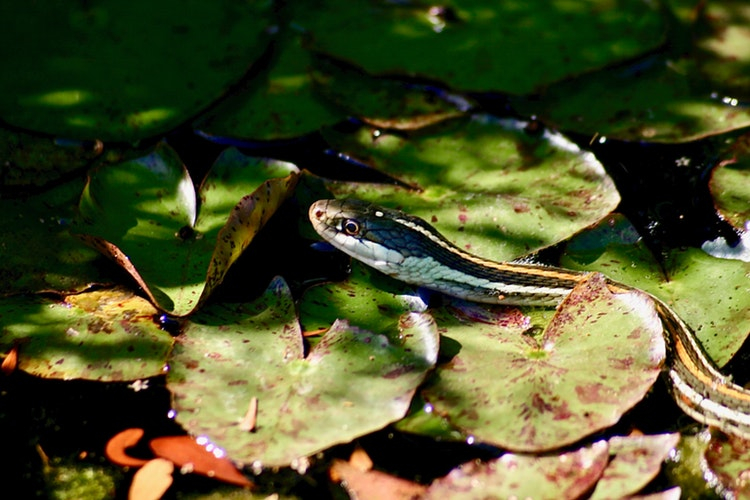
(351, 383)
(567, 476)
(598, 357)
(107, 335)
(144, 215)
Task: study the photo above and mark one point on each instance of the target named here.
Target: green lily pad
(486, 184)
(143, 213)
(381, 102)
(636, 460)
(34, 161)
(107, 335)
(38, 252)
(280, 103)
(476, 46)
(569, 475)
(728, 458)
(596, 359)
(122, 71)
(703, 290)
(730, 185)
(351, 383)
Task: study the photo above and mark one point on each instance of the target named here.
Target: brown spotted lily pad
(597, 358)
(352, 381)
(175, 242)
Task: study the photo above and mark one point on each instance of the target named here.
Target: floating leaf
(482, 181)
(38, 253)
(373, 484)
(72, 70)
(229, 355)
(280, 103)
(152, 480)
(473, 46)
(116, 449)
(517, 392)
(730, 185)
(728, 457)
(701, 289)
(106, 335)
(566, 476)
(143, 213)
(636, 460)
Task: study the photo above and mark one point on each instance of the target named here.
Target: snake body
(411, 250)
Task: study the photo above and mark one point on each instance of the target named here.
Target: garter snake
(409, 249)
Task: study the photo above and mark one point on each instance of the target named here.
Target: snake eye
(351, 227)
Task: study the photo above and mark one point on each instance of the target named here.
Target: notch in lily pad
(175, 241)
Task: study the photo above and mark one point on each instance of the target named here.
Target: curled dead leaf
(10, 362)
(119, 443)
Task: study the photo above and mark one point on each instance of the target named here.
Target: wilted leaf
(199, 457)
(71, 69)
(228, 355)
(475, 46)
(373, 484)
(152, 480)
(485, 184)
(597, 358)
(116, 449)
(143, 213)
(636, 460)
(566, 476)
(107, 335)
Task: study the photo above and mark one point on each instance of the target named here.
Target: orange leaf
(119, 443)
(152, 480)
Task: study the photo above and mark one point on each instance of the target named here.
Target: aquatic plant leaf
(84, 72)
(106, 335)
(595, 360)
(472, 46)
(564, 476)
(730, 185)
(351, 383)
(636, 460)
(143, 213)
(488, 185)
(38, 252)
(701, 289)
(728, 458)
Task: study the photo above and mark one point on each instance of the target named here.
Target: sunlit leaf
(703, 290)
(107, 335)
(597, 358)
(374, 484)
(730, 185)
(152, 480)
(475, 46)
(143, 214)
(229, 355)
(566, 476)
(83, 71)
(488, 185)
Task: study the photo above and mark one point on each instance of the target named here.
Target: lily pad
(569, 475)
(730, 185)
(229, 355)
(32, 161)
(598, 357)
(107, 335)
(486, 184)
(703, 290)
(728, 458)
(476, 46)
(72, 70)
(636, 460)
(280, 102)
(38, 252)
(143, 213)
